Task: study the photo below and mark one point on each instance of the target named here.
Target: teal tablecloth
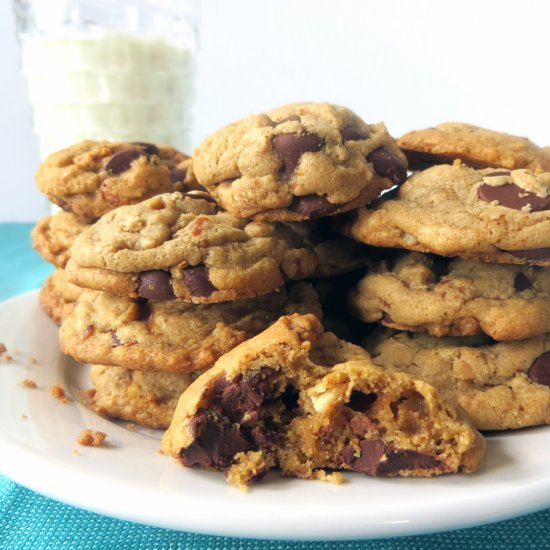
(29, 520)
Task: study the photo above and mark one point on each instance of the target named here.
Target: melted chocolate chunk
(539, 371)
(178, 174)
(512, 196)
(313, 206)
(121, 161)
(360, 402)
(291, 147)
(216, 442)
(352, 133)
(388, 165)
(290, 397)
(531, 255)
(522, 282)
(379, 459)
(149, 148)
(197, 281)
(155, 285)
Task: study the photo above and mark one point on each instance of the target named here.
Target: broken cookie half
(301, 400)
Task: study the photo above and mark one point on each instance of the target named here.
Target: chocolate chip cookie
(93, 177)
(58, 296)
(301, 400)
(179, 246)
(490, 215)
(455, 297)
(474, 146)
(499, 385)
(297, 162)
(53, 236)
(146, 398)
(171, 336)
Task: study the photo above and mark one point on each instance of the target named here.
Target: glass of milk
(119, 70)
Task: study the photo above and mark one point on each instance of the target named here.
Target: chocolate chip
(149, 148)
(522, 282)
(197, 281)
(379, 459)
(539, 371)
(388, 165)
(291, 147)
(531, 255)
(313, 206)
(178, 174)
(360, 402)
(121, 161)
(512, 196)
(155, 285)
(352, 133)
(216, 442)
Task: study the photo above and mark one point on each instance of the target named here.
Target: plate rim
(16, 462)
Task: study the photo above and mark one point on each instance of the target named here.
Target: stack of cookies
(86, 181)
(474, 292)
(206, 289)
(175, 281)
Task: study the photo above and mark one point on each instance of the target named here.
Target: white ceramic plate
(132, 481)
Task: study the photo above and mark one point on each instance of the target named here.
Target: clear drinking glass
(120, 70)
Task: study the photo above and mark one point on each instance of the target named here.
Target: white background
(410, 63)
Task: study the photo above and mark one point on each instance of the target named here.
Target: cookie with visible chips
(297, 162)
(297, 398)
(487, 215)
(91, 178)
(171, 336)
(500, 385)
(456, 297)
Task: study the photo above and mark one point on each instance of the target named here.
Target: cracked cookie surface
(300, 161)
(91, 178)
(455, 297)
(171, 336)
(474, 146)
(304, 401)
(488, 215)
(500, 386)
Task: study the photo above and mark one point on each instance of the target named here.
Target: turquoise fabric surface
(29, 520)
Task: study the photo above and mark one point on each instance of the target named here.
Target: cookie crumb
(34, 360)
(91, 438)
(24, 417)
(3, 348)
(30, 384)
(75, 452)
(58, 393)
(7, 358)
(131, 426)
